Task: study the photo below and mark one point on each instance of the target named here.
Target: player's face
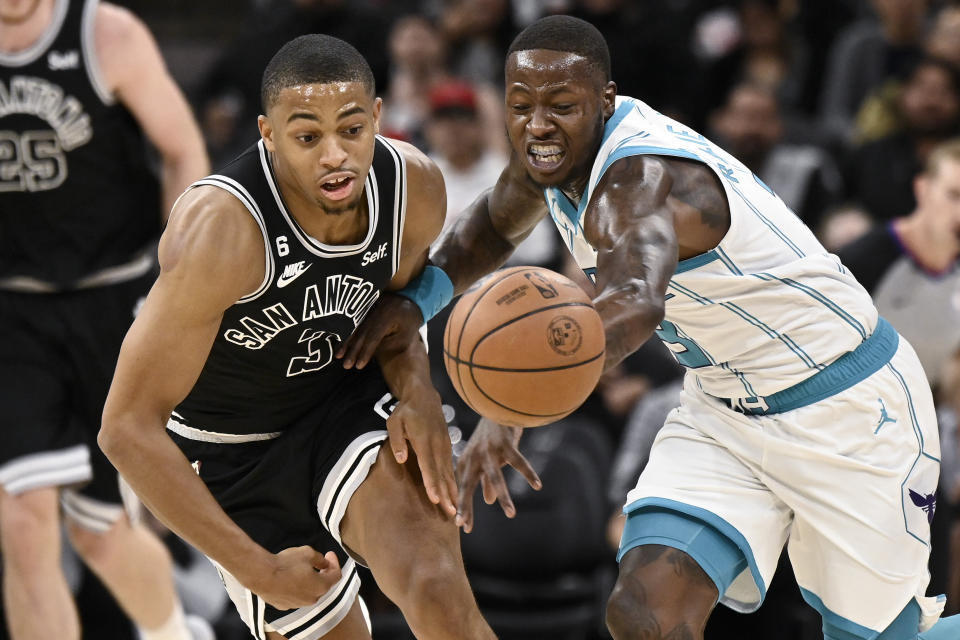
(556, 108)
(16, 11)
(322, 138)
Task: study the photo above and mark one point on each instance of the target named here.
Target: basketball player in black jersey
(80, 85)
(266, 268)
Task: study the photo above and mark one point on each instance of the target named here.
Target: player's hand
(418, 419)
(393, 319)
(490, 448)
(297, 577)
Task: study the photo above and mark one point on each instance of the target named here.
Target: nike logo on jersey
(63, 61)
(291, 272)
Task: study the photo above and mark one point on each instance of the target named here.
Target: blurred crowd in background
(835, 104)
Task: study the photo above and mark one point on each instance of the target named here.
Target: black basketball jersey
(76, 194)
(272, 360)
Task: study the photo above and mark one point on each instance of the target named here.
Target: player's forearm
(471, 247)
(168, 485)
(630, 317)
(406, 369)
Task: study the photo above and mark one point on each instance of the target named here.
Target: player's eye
(306, 138)
(354, 130)
(563, 107)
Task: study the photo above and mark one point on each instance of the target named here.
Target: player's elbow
(116, 433)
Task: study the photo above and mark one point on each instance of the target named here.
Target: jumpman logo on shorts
(884, 417)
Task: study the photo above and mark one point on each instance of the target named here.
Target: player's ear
(377, 105)
(266, 132)
(609, 99)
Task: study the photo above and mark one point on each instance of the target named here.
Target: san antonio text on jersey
(272, 360)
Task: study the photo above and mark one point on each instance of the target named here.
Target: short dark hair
(312, 59)
(569, 34)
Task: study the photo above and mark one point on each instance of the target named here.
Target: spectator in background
(459, 145)
(478, 32)
(228, 103)
(418, 63)
(864, 55)
(638, 32)
(879, 174)
(749, 125)
(909, 265)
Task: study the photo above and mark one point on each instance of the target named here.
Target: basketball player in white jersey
(83, 87)
(805, 419)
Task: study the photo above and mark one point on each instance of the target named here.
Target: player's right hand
(490, 448)
(298, 577)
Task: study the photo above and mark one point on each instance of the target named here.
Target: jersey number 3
(320, 346)
(685, 350)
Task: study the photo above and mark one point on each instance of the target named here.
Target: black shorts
(57, 358)
(293, 490)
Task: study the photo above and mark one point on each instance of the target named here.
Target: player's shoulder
(426, 191)
(117, 27)
(211, 228)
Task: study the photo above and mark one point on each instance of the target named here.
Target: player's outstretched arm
(489, 230)
(630, 221)
(134, 72)
(211, 255)
(491, 447)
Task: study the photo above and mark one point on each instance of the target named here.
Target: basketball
(524, 346)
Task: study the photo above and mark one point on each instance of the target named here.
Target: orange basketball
(524, 346)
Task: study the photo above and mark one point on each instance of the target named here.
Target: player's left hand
(418, 419)
(393, 318)
(490, 448)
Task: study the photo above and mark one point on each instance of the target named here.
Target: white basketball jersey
(764, 310)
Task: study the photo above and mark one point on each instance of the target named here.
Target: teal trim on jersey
(572, 213)
(846, 371)
(727, 530)
(719, 557)
(819, 297)
(622, 112)
(920, 443)
(696, 261)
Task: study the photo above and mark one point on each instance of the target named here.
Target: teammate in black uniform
(80, 84)
(265, 269)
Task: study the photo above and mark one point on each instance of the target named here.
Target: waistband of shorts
(200, 435)
(846, 371)
(118, 274)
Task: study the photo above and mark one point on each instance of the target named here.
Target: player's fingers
(521, 464)
(447, 485)
(468, 476)
(498, 490)
(319, 560)
(487, 489)
(366, 350)
(397, 438)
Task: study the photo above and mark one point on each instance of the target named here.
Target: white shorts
(847, 482)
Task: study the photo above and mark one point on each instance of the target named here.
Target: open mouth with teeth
(337, 188)
(545, 156)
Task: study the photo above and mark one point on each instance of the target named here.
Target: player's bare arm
(488, 232)
(133, 71)
(418, 417)
(160, 361)
(647, 213)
